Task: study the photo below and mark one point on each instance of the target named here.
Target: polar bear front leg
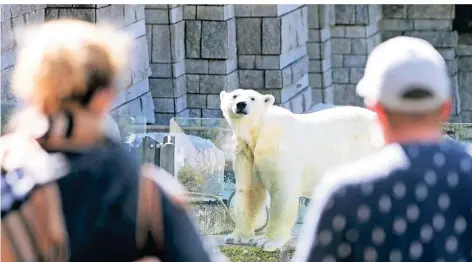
(249, 198)
(283, 212)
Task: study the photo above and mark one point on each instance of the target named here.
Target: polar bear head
(244, 104)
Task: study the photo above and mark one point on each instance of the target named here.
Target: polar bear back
(316, 141)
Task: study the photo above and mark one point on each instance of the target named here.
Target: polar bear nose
(241, 105)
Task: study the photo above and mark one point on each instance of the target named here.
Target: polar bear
(286, 154)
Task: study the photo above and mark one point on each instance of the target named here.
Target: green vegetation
(191, 179)
(249, 254)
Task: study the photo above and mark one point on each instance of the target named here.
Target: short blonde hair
(59, 59)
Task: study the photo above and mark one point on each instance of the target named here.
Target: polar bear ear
(269, 100)
(222, 94)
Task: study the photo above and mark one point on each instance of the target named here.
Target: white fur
(286, 154)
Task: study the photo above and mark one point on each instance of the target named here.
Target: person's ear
(102, 100)
(381, 115)
(269, 100)
(446, 110)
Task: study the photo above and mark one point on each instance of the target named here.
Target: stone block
(129, 14)
(355, 60)
(88, 15)
(196, 101)
(273, 79)
(163, 118)
(314, 50)
(190, 12)
(222, 67)
(196, 66)
(316, 95)
(452, 67)
(212, 84)
(161, 70)
(287, 76)
(325, 49)
(314, 66)
(8, 59)
(35, 17)
(302, 26)
(147, 106)
(181, 103)
(205, 12)
(156, 16)
(313, 17)
(430, 11)
(465, 79)
(246, 61)
(447, 53)
(52, 14)
(283, 9)
(6, 13)
(139, 12)
(355, 75)
(149, 40)
(345, 14)
(139, 61)
(213, 101)
(340, 46)
(165, 7)
(394, 11)
(327, 78)
(178, 68)
(164, 105)
(232, 81)
(396, 25)
(386, 35)
(355, 31)
(242, 10)
(293, 55)
(161, 50)
(433, 25)
(299, 68)
(290, 27)
(464, 50)
(345, 94)
(7, 36)
(193, 33)
(314, 35)
(271, 40)
(359, 46)
(362, 14)
(109, 14)
(249, 32)
(215, 40)
(315, 80)
(5, 87)
(340, 75)
(193, 83)
(267, 62)
(232, 48)
(177, 34)
(176, 15)
(290, 91)
(251, 79)
(373, 41)
(212, 113)
(437, 39)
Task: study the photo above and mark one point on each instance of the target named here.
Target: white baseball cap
(405, 74)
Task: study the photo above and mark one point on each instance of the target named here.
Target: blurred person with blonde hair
(70, 193)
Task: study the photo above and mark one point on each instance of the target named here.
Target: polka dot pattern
(418, 213)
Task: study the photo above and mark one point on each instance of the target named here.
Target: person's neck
(413, 134)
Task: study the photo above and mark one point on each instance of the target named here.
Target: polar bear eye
(253, 99)
(235, 96)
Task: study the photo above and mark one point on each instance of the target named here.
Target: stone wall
(135, 99)
(302, 54)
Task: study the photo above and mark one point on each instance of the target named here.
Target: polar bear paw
(267, 244)
(238, 239)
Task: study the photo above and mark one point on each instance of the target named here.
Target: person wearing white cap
(407, 202)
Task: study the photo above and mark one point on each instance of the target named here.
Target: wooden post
(167, 154)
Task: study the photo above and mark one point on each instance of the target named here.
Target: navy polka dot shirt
(410, 202)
